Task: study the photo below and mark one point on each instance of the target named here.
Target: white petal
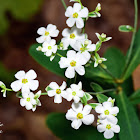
(77, 7)
(77, 107)
(64, 63)
(16, 86)
(84, 13)
(80, 93)
(80, 70)
(108, 134)
(58, 99)
(20, 74)
(69, 11)
(25, 88)
(70, 22)
(22, 102)
(51, 27)
(74, 87)
(114, 110)
(71, 54)
(54, 33)
(91, 47)
(101, 128)
(116, 128)
(71, 115)
(41, 31)
(28, 106)
(31, 74)
(76, 124)
(112, 119)
(51, 93)
(79, 23)
(63, 86)
(80, 59)
(76, 99)
(4, 93)
(107, 104)
(86, 55)
(41, 39)
(87, 109)
(88, 119)
(33, 84)
(80, 85)
(33, 102)
(53, 85)
(99, 109)
(70, 72)
(66, 32)
(95, 64)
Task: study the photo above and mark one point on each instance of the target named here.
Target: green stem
(44, 93)
(59, 55)
(7, 89)
(64, 4)
(133, 36)
(83, 31)
(105, 91)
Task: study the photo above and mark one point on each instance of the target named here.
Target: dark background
(15, 41)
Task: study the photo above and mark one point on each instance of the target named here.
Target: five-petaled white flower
(77, 114)
(2, 85)
(85, 46)
(75, 92)
(28, 101)
(57, 91)
(73, 62)
(76, 15)
(25, 82)
(49, 47)
(70, 36)
(106, 110)
(108, 128)
(47, 33)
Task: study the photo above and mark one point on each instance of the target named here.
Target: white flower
(78, 115)
(25, 82)
(2, 85)
(73, 62)
(108, 128)
(99, 61)
(57, 91)
(39, 48)
(47, 33)
(107, 111)
(85, 46)
(75, 92)
(111, 100)
(103, 37)
(28, 101)
(70, 36)
(49, 47)
(75, 14)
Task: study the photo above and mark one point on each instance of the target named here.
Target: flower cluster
(107, 121)
(80, 50)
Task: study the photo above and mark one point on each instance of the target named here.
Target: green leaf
(96, 87)
(43, 60)
(135, 97)
(101, 98)
(135, 57)
(19, 95)
(61, 127)
(126, 28)
(86, 98)
(93, 105)
(19, 9)
(48, 88)
(128, 119)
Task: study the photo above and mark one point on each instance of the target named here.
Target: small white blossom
(2, 85)
(28, 101)
(103, 37)
(25, 82)
(107, 111)
(78, 115)
(57, 91)
(108, 128)
(70, 36)
(73, 62)
(85, 47)
(99, 61)
(39, 48)
(75, 92)
(76, 14)
(49, 47)
(47, 33)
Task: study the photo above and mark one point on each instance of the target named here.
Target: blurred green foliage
(19, 9)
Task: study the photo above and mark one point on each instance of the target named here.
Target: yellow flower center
(81, 49)
(73, 93)
(108, 126)
(61, 45)
(49, 47)
(75, 15)
(58, 91)
(46, 33)
(72, 36)
(79, 116)
(24, 81)
(73, 63)
(106, 112)
(28, 99)
(100, 61)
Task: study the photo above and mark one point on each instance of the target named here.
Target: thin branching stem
(64, 4)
